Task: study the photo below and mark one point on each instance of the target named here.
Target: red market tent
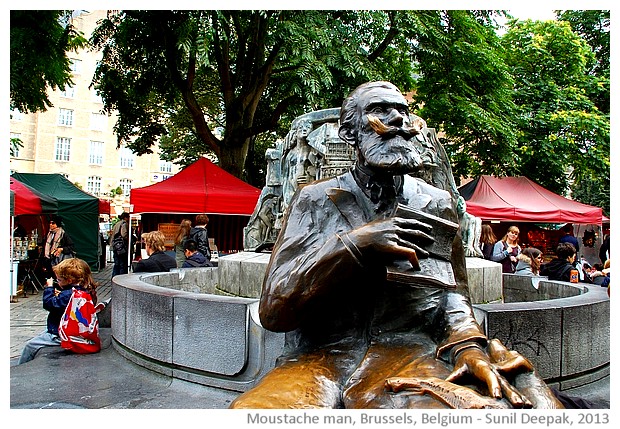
(518, 199)
(28, 201)
(201, 187)
(104, 206)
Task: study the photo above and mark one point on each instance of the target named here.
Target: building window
(65, 117)
(95, 154)
(16, 115)
(69, 92)
(127, 157)
(125, 185)
(63, 149)
(75, 66)
(93, 185)
(15, 143)
(165, 166)
(98, 122)
(95, 96)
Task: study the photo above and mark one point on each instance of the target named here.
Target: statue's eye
(377, 110)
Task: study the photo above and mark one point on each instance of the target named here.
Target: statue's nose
(395, 118)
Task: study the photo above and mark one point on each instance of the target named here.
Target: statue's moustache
(389, 131)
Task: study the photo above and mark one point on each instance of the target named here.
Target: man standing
(120, 259)
(198, 233)
(350, 328)
(569, 237)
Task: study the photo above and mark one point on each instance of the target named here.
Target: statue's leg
(312, 380)
(366, 387)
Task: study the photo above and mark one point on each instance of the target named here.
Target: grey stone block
(484, 279)
(231, 271)
(210, 334)
(119, 297)
(149, 323)
(252, 275)
(585, 337)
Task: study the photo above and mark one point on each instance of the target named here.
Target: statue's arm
(308, 260)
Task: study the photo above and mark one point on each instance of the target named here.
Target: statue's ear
(347, 134)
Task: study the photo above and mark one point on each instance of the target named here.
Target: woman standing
(487, 241)
(529, 262)
(58, 244)
(507, 249)
(179, 241)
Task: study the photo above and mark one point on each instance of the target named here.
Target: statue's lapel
(348, 206)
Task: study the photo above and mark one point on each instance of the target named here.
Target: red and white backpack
(79, 325)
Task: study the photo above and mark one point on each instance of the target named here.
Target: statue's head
(375, 118)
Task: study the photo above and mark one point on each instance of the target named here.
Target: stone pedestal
(242, 274)
(484, 279)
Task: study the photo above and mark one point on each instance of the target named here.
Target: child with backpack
(74, 277)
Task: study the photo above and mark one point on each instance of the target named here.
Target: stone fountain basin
(202, 325)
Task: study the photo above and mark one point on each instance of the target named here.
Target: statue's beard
(395, 155)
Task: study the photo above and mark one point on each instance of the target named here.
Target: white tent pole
(129, 235)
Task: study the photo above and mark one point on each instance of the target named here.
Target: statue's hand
(393, 238)
(475, 362)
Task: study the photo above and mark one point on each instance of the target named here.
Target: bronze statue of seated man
(368, 324)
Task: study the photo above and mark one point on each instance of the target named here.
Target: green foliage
(15, 145)
(594, 27)
(212, 81)
(563, 136)
(465, 91)
(40, 40)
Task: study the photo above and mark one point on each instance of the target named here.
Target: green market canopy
(78, 209)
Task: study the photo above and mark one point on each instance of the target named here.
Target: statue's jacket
(322, 296)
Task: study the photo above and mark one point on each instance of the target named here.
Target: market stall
(26, 207)
(79, 210)
(538, 212)
(201, 187)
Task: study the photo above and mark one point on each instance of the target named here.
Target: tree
(594, 27)
(563, 136)
(233, 74)
(219, 80)
(465, 90)
(40, 40)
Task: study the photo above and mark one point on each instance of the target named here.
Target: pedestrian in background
(560, 268)
(487, 241)
(198, 233)
(58, 244)
(194, 258)
(507, 249)
(120, 259)
(158, 260)
(179, 241)
(529, 261)
(569, 237)
(603, 252)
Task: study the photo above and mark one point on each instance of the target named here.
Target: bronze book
(436, 270)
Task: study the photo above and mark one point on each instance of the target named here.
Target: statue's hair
(348, 112)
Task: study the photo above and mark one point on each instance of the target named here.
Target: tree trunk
(232, 156)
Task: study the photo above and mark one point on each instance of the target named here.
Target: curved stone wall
(186, 324)
(563, 328)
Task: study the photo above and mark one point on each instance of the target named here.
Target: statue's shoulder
(343, 181)
(415, 185)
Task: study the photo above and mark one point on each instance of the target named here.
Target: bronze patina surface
(366, 326)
